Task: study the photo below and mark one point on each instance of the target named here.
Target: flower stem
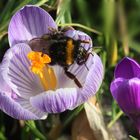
(72, 115)
(132, 138)
(81, 26)
(58, 128)
(35, 131)
(41, 2)
(119, 114)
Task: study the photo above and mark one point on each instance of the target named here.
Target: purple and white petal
(127, 68)
(15, 69)
(4, 87)
(69, 98)
(62, 79)
(79, 71)
(127, 94)
(11, 75)
(26, 105)
(79, 35)
(56, 101)
(13, 109)
(29, 22)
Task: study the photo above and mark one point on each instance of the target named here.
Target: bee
(62, 50)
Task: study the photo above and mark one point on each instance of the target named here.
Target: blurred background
(114, 26)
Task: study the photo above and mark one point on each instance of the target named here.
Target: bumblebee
(62, 50)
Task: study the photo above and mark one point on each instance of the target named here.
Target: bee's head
(81, 55)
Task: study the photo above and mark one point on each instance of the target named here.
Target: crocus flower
(25, 92)
(126, 88)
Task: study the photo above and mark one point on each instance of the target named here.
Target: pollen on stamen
(38, 61)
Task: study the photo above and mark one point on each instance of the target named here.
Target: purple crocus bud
(31, 88)
(126, 88)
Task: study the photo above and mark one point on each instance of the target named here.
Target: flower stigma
(39, 67)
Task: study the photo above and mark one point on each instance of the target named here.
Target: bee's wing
(39, 45)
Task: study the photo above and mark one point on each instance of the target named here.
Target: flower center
(39, 66)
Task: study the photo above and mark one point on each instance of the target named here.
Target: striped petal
(24, 103)
(15, 75)
(64, 81)
(130, 91)
(69, 98)
(18, 111)
(3, 85)
(79, 35)
(29, 22)
(13, 109)
(127, 68)
(16, 72)
(127, 95)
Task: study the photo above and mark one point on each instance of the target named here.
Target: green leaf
(83, 9)
(134, 45)
(118, 115)
(81, 26)
(7, 11)
(62, 8)
(23, 3)
(41, 2)
(67, 16)
(36, 132)
(2, 137)
(132, 138)
(4, 25)
(72, 115)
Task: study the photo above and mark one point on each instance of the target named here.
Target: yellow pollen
(38, 61)
(69, 50)
(39, 66)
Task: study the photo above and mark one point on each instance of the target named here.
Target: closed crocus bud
(126, 89)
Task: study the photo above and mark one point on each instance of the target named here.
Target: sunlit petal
(16, 72)
(69, 98)
(29, 22)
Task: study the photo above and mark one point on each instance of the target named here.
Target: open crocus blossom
(30, 88)
(126, 88)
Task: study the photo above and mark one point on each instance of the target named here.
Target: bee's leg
(86, 66)
(73, 77)
(85, 41)
(86, 60)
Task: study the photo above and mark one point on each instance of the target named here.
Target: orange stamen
(39, 67)
(38, 61)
